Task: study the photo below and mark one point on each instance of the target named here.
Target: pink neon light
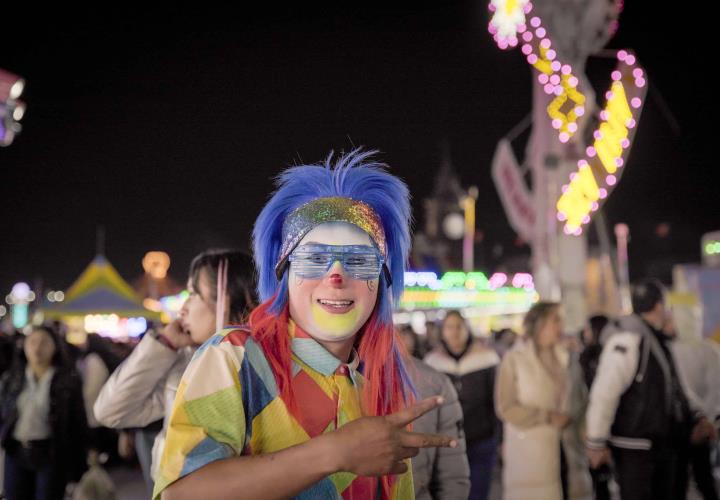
(635, 102)
(502, 44)
(631, 123)
(630, 60)
(619, 162)
(578, 231)
(597, 135)
(497, 280)
(616, 75)
(583, 164)
(572, 176)
(604, 115)
(521, 28)
(548, 88)
(640, 83)
(564, 137)
(602, 193)
(540, 32)
(550, 54)
(567, 230)
(545, 42)
(513, 42)
(543, 78)
(555, 79)
(638, 73)
(565, 188)
(535, 22)
(527, 36)
(532, 59)
(572, 127)
(590, 151)
(526, 49)
(609, 95)
(594, 206)
(561, 217)
(558, 91)
(566, 69)
(610, 180)
(555, 65)
(557, 123)
(491, 7)
(586, 219)
(622, 55)
(528, 8)
(580, 110)
(625, 143)
(573, 81)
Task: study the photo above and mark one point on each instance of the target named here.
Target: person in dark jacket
(638, 409)
(42, 420)
(589, 361)
(471, 367)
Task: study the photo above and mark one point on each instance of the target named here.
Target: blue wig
(357, 176)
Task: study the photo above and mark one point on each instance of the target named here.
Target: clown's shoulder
(233, 339)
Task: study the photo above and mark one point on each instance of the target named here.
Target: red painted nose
(336, 279)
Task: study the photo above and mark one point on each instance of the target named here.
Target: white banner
(514, 194)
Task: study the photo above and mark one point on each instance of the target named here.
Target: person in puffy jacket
(471, 367)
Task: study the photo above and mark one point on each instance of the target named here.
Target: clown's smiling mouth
(336, 306)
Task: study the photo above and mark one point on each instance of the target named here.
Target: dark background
(166, 126)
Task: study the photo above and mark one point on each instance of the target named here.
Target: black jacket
(652, 408)
(68, 421)
(473, 375)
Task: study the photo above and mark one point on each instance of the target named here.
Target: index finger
(406, 416)
(421, 440)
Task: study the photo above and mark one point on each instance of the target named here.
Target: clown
(313, 399)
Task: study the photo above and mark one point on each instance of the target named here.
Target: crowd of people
(312, 392)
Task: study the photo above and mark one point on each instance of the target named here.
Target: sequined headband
(335, 209)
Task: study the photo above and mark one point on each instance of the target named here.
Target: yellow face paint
(336, 325)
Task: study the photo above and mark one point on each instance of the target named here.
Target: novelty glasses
(360, 262)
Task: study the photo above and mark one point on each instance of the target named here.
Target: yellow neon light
(570, 98)
(614, 130)
(577, 201)
(582, 194)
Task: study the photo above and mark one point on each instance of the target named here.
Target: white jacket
(532, 455)
(142, 390)
(698, 365)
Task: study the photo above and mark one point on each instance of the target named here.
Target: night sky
(167, 126)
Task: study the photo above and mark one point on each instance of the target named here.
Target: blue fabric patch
(255, 395)
(322, 490)
(208, 450)
(315, 356)
(256, 356)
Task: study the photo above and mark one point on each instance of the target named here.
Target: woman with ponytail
(142, 389)
(313, 399)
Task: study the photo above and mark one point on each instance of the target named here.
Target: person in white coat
(142, 389)
(540, 398)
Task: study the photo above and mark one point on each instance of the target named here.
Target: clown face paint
(332, 308)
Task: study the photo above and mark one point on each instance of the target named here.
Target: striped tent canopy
(99, 290)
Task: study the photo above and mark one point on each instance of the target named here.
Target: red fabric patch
(361, 488)
(237, 337)
(316, 409)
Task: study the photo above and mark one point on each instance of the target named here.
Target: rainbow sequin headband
(333, 209)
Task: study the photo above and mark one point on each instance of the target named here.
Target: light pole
(468, 204)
